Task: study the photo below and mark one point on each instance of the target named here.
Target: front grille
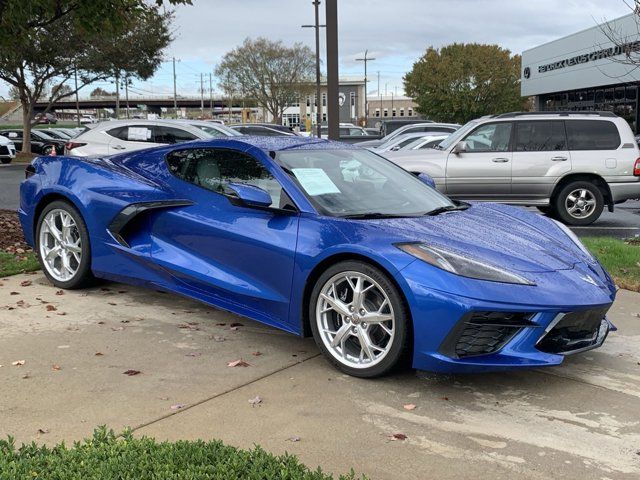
(483, 333)
(574, 331)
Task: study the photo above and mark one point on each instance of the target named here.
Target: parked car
(372, 131)
(85, 118)
(41, 143)
(45, 118)
(7, 150)
(264, 130)
(388, 126)
(423, 127)
(325, 239)
(426, 142)
(56, 133)
(398, 142)
(570, 165)
(118, 136)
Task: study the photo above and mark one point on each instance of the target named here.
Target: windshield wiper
(448, 208)
(374, 215)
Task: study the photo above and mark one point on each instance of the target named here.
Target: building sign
(589, 57)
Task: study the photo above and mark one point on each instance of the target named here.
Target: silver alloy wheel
(355, 319)
(580, 203)
(60, 245)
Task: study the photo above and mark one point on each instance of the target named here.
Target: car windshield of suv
(217, 131)
(457, 135)
(359, 184)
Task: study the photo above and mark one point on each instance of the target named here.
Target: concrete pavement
(579, 420)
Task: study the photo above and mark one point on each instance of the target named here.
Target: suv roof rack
(561, 113)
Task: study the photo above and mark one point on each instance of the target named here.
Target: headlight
(574, 238)
(461, 264)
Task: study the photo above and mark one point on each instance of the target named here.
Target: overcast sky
(396, 32)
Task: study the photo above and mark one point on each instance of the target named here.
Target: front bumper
(450, 338)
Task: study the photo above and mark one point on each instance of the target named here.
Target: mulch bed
(11, 239)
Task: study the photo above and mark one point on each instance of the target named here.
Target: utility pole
(317, 26)
(366, 101)
(75, 74)
(175, 93)
(201, 95)
(210, 94)
(333, 82)
(117, 95)
(126, 92)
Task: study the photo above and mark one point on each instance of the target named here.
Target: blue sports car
(324, 239)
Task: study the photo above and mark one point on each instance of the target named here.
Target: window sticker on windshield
(315, 181)
(140, 134)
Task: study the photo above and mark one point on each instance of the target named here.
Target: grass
(621, 258)
(110, 457)
(11, 264)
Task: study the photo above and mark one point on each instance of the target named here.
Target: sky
(395, 32)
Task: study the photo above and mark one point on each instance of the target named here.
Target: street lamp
(317, 26)
(366, 102)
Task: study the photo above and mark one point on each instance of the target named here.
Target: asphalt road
(623, 223)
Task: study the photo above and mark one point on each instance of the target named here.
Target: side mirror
(248, 195)
(427, 180)
(395, 148)
(459, 148)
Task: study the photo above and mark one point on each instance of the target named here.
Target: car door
(238, 257)
(131, 138)
(540, 157)
(482, 170)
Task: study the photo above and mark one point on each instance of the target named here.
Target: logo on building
(527, 72)
(341, 98)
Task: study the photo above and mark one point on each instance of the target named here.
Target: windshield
(217, 130)
(457, 135)
(343, 183)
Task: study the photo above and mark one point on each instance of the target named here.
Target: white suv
(7, 150)
(120, 136)
(568, 164)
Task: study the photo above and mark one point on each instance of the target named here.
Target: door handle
(559, 159)
(500, 160)
(119, 147)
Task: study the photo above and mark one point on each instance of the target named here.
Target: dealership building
(587, 70)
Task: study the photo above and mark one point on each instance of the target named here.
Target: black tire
(400, 349)
(560, 200)
(5, 161)
(83, 276)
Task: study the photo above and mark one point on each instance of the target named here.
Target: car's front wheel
(578, 203)
(5, 161)
(359, 320)
(62, 246)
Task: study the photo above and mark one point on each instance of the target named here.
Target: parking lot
(579, 420)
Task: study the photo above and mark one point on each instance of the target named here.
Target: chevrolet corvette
(325, 239)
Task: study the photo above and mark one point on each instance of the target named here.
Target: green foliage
(461, 82)
(269, 72)
(107, 457)
(621, 258)
(11, 264)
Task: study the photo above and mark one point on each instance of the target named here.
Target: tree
(101, 92)
(45, 43)
(269, 72)
(460, 82)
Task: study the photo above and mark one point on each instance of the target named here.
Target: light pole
(333, 82)
(317, 26)
(366, 102)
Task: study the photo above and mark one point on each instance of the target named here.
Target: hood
(505, 236)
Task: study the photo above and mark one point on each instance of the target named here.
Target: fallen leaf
(256, 353)
(293, 439)
(255, 401)
(51, 308)
(55, 368)
(409, 406)
(62, 314)
(105, 289)
(42, 431)
(188, 326)
(178, 406)
(218, 338)
(98, 354)
(445, 398)
(193, 354)
(14, 293)
(238, 363)
(236, 324)
(18, 363)
(100, 323)
(59, 292)
(221, 324)
(125, 321)
(112, 303)
(131, 373)
(25, 376)
(233, 328)
(117, 329)
(25, 283)
(398, 436)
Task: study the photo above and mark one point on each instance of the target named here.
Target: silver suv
(569, 165)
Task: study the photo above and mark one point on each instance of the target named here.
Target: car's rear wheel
(5, 161)
(578, 203)
(62, 246)
(359, 320)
